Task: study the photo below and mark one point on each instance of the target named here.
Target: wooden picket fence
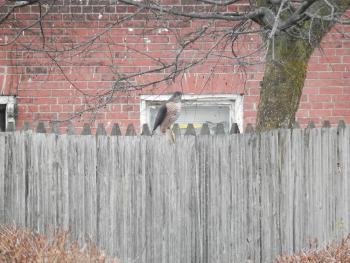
(54, 127)
(208, 199)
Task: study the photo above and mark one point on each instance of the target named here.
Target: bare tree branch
(219, 3)
(297, 15)
(38, 21)
(205, 16)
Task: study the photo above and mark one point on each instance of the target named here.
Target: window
(7, 112)
(2, 117)
(198, 109)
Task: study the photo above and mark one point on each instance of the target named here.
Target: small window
(7, 112)
(197, 109)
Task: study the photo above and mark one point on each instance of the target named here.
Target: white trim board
(10, 102)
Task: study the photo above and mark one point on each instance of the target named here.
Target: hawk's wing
(160, 116)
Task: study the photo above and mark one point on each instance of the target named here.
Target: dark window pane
(2, 117)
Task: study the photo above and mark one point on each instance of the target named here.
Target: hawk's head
(176, 97)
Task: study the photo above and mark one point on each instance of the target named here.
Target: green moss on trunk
(286, 69)
(283, 82)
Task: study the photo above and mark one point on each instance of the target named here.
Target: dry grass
(337, 253)
(24, 246)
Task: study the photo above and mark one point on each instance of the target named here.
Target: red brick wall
(326, 95)
(44, 93)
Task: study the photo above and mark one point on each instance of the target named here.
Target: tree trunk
(283, 82)
(286, 68)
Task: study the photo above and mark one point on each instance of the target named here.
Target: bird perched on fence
(168, 113)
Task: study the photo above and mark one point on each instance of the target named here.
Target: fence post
(219, 129)
(70, 128)
(116, 130)
(310, 125)
(190, 130)
(249, 128)
(101, 129)
(10, 127)
(205, 129)
(41, 128)
(234, 128)
(145, 130)
(326, 124)
(86, 129)
(295, 125)
(130, 130)
(55, 127)
(26, 126)
(341, 124)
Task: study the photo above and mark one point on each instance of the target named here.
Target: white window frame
(10, 102)
(235, 103)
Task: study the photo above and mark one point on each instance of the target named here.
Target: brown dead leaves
(337, 253)
(24, 246)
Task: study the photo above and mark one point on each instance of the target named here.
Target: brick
(346, 59)
(75, 9)
(302, 113)
(321, 112)
(341, 98)
(341, 112)
(65, 116)
(116, 115)
(67, 108)
(341, 105)
(25, 117)
(62, 93)
(35, 93)
(319, 98)
(249, 114)
(110, 9)
(45, 116)
(343, 51)
(340, 67)
(44, 108)
(329, 60)
(346, 90)
(26, 16)
(134, 115)
(305, 105)
(45, 100)
(55, 108)
(36, 70)
(250, 99)
(309, 90)
(115, 108)
(127, 108)
(330, 75)
(325, 82)
(327, 52)
(317, 105)
(333, 90)
(69, 100)
(87, 9)
(21, 100)
(33, 108)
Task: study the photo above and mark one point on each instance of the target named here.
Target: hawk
(168, 113)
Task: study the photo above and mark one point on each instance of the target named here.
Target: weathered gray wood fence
(206, 199)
